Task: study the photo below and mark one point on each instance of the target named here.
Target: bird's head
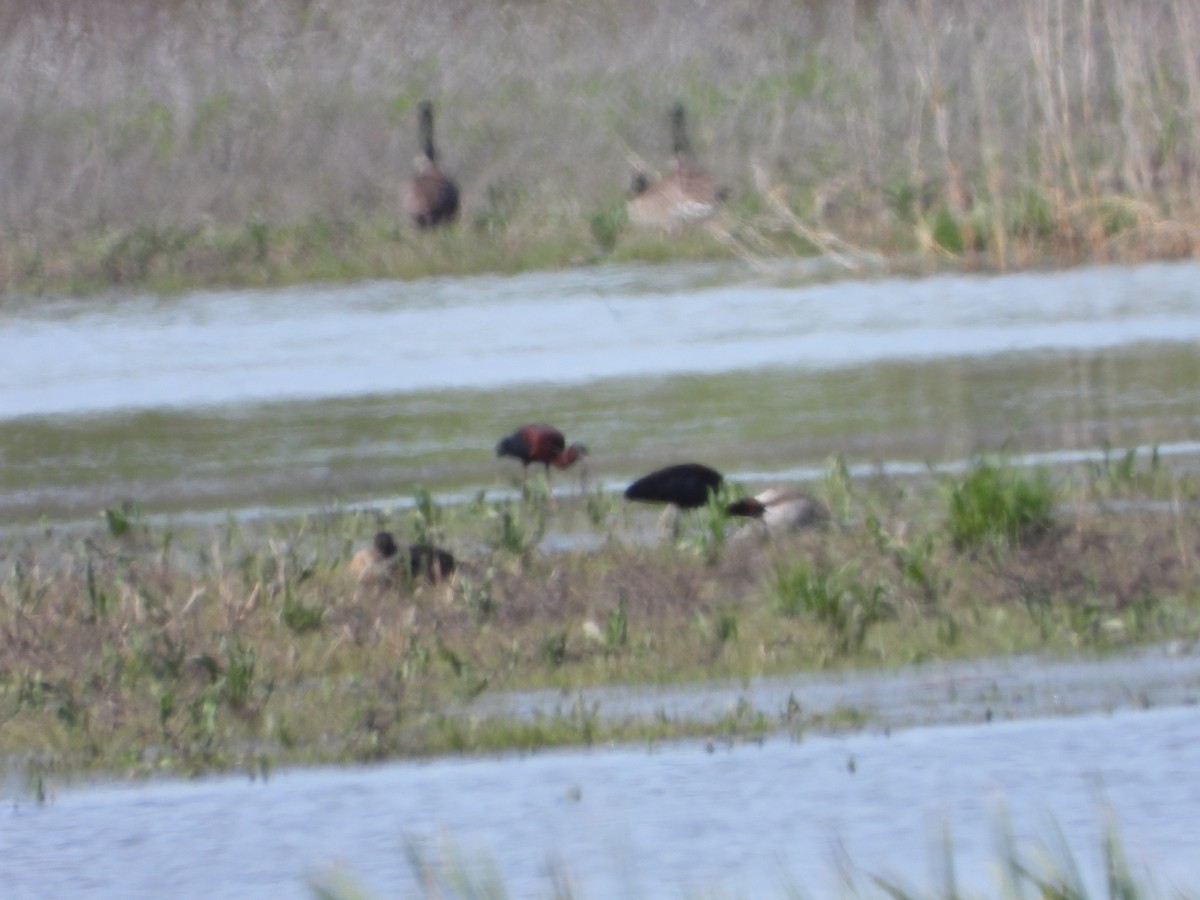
(385, 544)
(748, 507)
(571, 455)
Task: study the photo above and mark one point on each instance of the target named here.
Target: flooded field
(318, 396)
(233, 404)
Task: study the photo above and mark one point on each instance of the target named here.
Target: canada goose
(684, 196)
(782, 509)
(432, 198)
(381, 563)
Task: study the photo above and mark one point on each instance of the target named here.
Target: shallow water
(965, 692)
(328, 395)
(228, 402)
(675, 820)
(572, 327)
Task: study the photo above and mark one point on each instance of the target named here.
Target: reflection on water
(674, 820)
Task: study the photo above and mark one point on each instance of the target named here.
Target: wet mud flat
(960, 692)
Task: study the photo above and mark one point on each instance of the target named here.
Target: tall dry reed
(961, 126)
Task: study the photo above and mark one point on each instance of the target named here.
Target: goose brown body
(432, 197)
(381, 562)
(782, 509)
(684, 196)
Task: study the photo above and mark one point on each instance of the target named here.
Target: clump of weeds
(838, 488)
(428, 519)
(708, 537)
(517, 527)
(1123, 476)
(477, 595)
(836, 597)
(994, 506)
(126, 518)
(600, 507)
(916, 560)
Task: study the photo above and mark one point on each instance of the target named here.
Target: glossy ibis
(686, 485)
(381, 562)
(682, 486)
(684, 196)
(540, 443)
(432, 198)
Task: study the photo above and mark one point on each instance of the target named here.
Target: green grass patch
(996, 506)
(143, 647)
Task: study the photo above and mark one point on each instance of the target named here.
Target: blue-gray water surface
(576, 326)
(689, 819)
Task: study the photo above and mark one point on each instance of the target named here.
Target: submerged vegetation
(140, 646)
(171, 145)
(1051, 870)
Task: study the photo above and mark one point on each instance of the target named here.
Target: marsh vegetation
(1049, 869)
(139, 646)
(169, 145)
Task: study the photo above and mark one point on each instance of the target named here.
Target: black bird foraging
(680, 487)
(686, 486)
(540, 443)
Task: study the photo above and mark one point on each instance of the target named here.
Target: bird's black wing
(686, 485)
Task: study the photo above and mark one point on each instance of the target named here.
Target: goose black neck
(426, 121)
(679, 139)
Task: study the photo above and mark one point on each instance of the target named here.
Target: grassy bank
(139, 647)
(174, 145)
